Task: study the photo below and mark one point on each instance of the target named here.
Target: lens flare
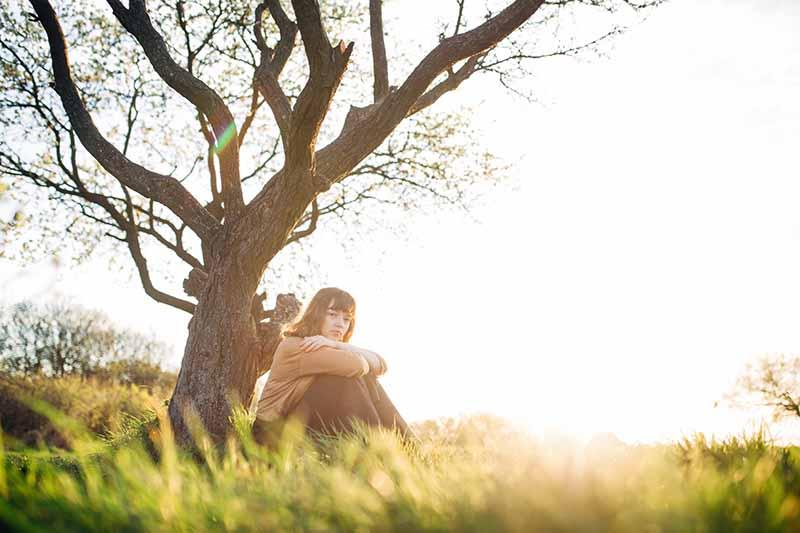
(225, 138)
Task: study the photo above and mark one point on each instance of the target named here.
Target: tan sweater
(293, 371)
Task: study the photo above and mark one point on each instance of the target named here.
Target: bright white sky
(651, 248)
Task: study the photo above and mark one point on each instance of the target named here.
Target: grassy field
(475, 474)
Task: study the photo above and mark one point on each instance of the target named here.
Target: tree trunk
(218, 369)
(226, 351)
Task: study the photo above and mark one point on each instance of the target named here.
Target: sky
(646, 245)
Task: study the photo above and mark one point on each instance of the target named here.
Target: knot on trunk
(195, 283)
(287, 307)
(269, 323)
(357, 114)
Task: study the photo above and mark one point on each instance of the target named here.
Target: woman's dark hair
(310, 321)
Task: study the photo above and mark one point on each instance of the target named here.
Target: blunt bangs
(342, 301)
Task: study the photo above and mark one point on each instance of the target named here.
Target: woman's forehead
(336, 306)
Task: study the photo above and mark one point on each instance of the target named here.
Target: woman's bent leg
(333, 403)
(389, 415)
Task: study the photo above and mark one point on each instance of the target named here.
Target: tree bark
(217, 366)
(226, 351)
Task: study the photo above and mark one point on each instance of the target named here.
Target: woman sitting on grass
(320, 379)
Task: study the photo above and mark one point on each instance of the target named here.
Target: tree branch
(380, 68)
(327, 65)
(272, 62)
(288, 32)
(132, 237)
(459, 17)
(133, 114)
(364, 129)
(136, 20)
(176, 248)
(273, 153)
(451, 83)
(255, 104)
(215, 206)
(351, 146)
(312, 225)
(163, 189)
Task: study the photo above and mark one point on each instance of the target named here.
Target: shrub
(101, 406)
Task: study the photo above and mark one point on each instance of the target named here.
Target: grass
(475, 474)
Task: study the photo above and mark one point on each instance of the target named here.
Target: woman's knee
(336, 400)
(327, 390)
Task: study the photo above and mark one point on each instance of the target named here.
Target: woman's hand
(309, 344)
(377, 364)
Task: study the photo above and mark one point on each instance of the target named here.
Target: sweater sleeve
(377, 364)
(332, 361)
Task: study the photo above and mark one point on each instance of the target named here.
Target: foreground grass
(468, 476)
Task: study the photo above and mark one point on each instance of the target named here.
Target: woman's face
(335, 323)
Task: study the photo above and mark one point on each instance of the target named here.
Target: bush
(101, 406)
(140, 372)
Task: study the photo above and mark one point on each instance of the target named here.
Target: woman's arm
(331, 360)
(377, 364)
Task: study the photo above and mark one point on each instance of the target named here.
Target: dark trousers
(333, 403)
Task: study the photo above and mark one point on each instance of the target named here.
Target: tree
(772, 382)
(59, 339)
(384, 151)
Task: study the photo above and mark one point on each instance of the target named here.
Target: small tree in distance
(772, 382)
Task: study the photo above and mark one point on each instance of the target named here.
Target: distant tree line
(59, 339)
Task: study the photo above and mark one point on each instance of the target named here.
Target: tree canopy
(433, 159)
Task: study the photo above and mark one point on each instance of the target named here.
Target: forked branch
(272, 62)
(163, 189)
(326, 65)
(136, 20)
(351, 146)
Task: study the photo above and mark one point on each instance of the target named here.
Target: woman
(321, 379)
